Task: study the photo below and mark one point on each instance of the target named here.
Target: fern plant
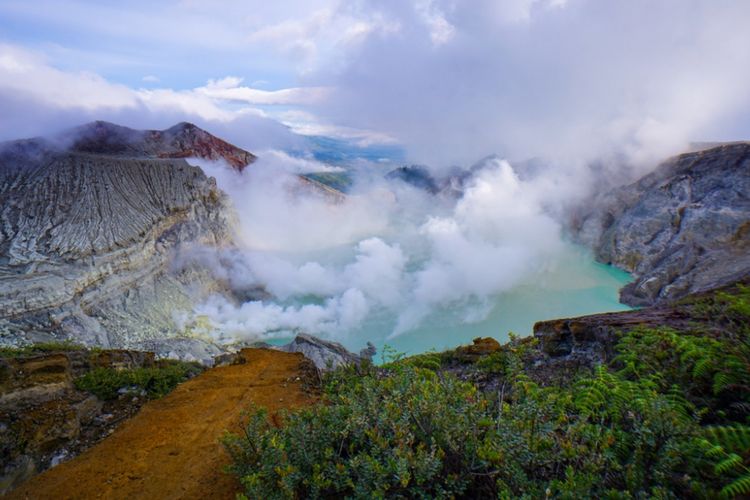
(729, 448)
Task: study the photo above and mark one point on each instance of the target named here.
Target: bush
(669, 419)
(411, 434)
(40, 348)
(155, 381)
(417, 434)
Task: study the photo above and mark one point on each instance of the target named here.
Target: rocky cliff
(88, 225)
(44, 419)
(683, 228)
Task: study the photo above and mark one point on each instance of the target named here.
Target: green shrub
(729, 447)
(670, 418)
(713, 373)
(417, 434)
(155, 381)
(411, 434)
(42, 347)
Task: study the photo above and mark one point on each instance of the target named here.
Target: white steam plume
(387, 250)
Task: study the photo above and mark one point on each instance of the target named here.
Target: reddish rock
(480, 347)
(184, 140)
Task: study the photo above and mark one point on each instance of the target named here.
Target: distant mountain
(184, 140)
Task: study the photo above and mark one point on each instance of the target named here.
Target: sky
(571, 81)
(582, 87)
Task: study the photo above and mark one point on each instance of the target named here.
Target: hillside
(171, 448)
(682, 229)
(89, 224)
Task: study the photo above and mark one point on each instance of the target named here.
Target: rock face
(683, 228)
(87, 232)
(44, 419)
(325, 355)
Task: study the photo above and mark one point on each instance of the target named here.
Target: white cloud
(28, 76)
(39, 98)
(571, 81)
(305, 123)
(441, 31)
(229, 89)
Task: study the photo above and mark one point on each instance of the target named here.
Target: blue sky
(126, 41)
(452, 80)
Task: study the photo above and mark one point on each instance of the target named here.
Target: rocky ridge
(183, 140)
(682, 229)
(326, 355)
(87, 231)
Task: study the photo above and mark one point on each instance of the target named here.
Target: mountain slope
(183, 140)
(684, 228)
(171, 448)
(88, 228)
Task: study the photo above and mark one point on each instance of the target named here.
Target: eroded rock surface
(683, 228)
(324, 354)
(88, 226)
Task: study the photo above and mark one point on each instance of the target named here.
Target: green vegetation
(341, 181)
(668, 418)
(154, 381)
(40, 348)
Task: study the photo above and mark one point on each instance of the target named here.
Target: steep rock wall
(683, 228)
(86, 242)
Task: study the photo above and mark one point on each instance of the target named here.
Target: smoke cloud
(388, 250)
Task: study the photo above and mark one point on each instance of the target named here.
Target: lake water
(575, 285)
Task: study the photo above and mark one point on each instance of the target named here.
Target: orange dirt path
(170, 449)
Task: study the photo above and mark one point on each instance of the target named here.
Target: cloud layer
(572, 80)
(388, 250)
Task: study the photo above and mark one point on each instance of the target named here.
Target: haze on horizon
(570, 81)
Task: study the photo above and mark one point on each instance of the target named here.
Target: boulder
(324, 354)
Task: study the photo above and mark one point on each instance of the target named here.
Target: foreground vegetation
(667, 418)
(107, 382)
(39, 348)
(154, 382)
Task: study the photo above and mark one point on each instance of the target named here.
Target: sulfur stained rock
(480, 346)
(43, 416)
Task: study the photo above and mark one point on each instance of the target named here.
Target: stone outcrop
(44, 419)
(324, 354)
(682, 229)
(567, 345)
(88, 226)
(480, 347)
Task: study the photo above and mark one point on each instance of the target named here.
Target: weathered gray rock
(683, 228)
(88, 230)
(324, 354)
(186, 349)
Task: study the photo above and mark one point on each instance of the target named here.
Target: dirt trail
(171, 449)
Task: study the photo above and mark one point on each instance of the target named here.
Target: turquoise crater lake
(574, 285)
